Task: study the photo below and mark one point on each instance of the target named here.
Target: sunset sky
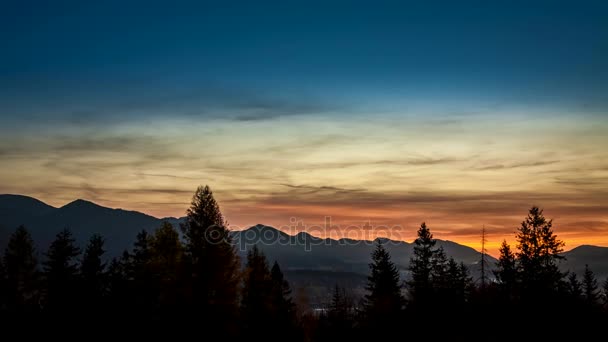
(460, 113)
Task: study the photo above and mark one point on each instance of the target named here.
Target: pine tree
(421, 266)
(166, 254)
(339, 312)
(538, 252)
(212, 261)
(256, 302)
(506, 269)
(92, 273)
(574, 286)
(282, 305)
(61, 270)
(439, 271)
(119, 294)
(20, 268)
(590, 286)
(136, 265)
(383, 304)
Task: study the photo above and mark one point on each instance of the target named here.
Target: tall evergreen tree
(21, 275)
(92, 274)
(256, 301)
(136, 265)
(280, 296)
(384, 303)
(212, 261)
(506, 269)
(283, 307)
(421, 267)
(166, 252)
(119, 294)
(590, 287)
(538, 252)
(61, 270)
(575, 289)
(257, 287)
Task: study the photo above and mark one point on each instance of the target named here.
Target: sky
(373, 115)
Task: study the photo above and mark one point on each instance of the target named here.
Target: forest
(190, 280)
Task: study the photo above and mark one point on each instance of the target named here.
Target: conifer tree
(166, 254)
(61, 270)
(21, 275)
(383, 304)
(506, 269)
(590, 286)
(574, 286)
(212, 261)
(538, 252)
(421, 266)
(281, 301)
(136, 266)
(256, 302)
(92, 273)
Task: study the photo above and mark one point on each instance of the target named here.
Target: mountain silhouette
(84, 218)
(296, 253)
(594, 256)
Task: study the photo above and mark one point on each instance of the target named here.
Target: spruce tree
(421, 267)
(590, 286)
(92, 274)
(61, 270)
(212, 261)
(506, 269)
(538, 252)
(166, 253)
(282, 305)
(384, 303)
(574, 287)
(136, 265)
(256, 302)
(21, 275)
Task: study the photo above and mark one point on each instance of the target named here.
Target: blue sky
(280, 105)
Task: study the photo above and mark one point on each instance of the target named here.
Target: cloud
(309, 189)
(516, 165)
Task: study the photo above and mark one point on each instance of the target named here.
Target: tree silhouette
(383, 304)
(506, 269)
(421, 267)
(574, 286)
(136, 266)
(538, 252)
(21, 276)
(166, 254)
(590, 288)
(61, 270)
(119, 294)
(280, 296)
(212, 261)
(256, 298)
(92, 274)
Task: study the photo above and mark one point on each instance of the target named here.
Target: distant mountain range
(299, 254)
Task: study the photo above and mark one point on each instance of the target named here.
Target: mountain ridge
(119, 227)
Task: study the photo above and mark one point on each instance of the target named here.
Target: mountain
(298, 254)
(119, 227)
(594, 256)
(306, 252)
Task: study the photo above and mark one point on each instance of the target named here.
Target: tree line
(196, 283)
